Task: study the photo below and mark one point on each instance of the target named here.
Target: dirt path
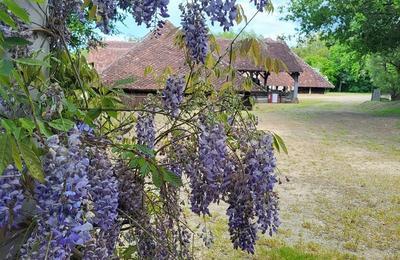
(344, 172)
(343, 168)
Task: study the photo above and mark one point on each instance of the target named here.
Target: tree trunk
(395, 96)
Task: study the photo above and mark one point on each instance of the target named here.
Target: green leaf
(210, 61)
(15, 41)
(5, 155)
(172, 178)
(144, 149)
(32, 162)
(148, 70)
(227, 85)
(9, 125)
(91, 115)
(32, 62)
(124, 81)
(6, 66)
(4, 17)
(239, 16)
(17, 10)
(44, 130)
(92, 12)
(128, 252)
(15, 154)
(144, 167)
(27, 124)
(156, 178)
(281, 143)
(86, 3)
(62, 124)
(276, 144)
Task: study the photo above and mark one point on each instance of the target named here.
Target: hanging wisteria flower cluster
(223, 12)
(104, 194)
(61, 203)
(261, 4)
(144, 11)
(260, 165)
(195, 31)
(76, 205)
(212, 161)
(252, 195)
(11, 197)
(145, 129)
(172, 94)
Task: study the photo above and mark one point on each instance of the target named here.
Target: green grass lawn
(386, 108)
(342, 199)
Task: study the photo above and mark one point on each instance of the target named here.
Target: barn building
(122, 65)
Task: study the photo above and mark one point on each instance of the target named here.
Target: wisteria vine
(87, 200)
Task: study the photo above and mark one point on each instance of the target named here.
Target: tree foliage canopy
(343, 67)
(366, 25)
(369, 27)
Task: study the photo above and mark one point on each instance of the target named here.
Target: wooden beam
(266, 74)
(295, 76)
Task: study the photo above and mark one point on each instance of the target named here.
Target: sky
(267, 25)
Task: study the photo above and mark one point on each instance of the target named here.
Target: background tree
(343, 67)
(369, 27)
(385, 73)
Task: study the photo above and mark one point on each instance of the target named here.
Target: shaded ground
(343, 194)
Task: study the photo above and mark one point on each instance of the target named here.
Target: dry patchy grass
(343, 197)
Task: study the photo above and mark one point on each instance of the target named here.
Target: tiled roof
(103, 56)
(309, 78)
(274, 49)
(156, 50)
(159, 51)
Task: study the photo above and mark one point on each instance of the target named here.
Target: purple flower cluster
(195, 31)
(144, 11)
(172, 94)
(11, 197)
(61, 11)
(242, 229)
(104, 190)
(221, 11)
(260, 164)
(260, 4)
(61, 203)
(251, 196)
(84, 128)
(212, 162)
(145, 129)
(104, 194)
(107, 10)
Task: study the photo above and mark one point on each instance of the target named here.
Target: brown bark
(395, 96)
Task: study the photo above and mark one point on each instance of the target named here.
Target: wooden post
(295, 76)
(266, 74)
